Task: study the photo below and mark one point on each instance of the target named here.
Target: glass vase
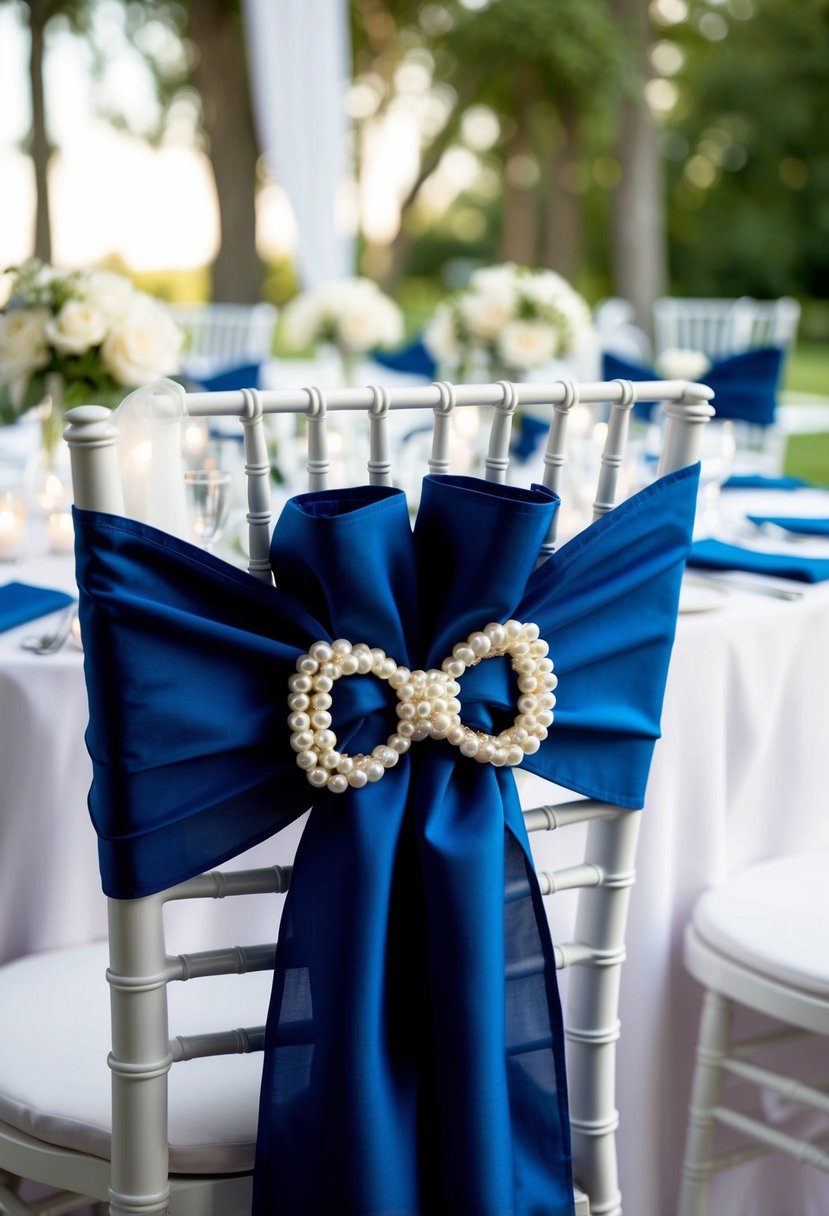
(49, 477)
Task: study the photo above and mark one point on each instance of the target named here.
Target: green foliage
(749, 197)
(569, 48)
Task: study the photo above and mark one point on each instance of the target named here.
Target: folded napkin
(759, 481)
(226, 379)
(803, 525)
(21, 602)
(414, 358)
(717, 555)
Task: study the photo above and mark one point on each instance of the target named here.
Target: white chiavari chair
(720, 327)
(757, 943)
(178, 1135)
(219, 336)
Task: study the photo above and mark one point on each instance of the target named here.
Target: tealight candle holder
(61, 532)
(12, 525)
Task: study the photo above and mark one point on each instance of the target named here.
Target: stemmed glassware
(207, 497)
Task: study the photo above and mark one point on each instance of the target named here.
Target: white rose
(369, 319)
(23, 346)
(677, 364)
(301, 321)
(78, 326)
(143, 346)
(525, 344)
(111, 293)
(441, 338)
(486, 315)
(500, 281)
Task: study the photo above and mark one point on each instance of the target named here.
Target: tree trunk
(221, 78)
(519, 220)
(41, 152)
(638, 226)
(563, 214)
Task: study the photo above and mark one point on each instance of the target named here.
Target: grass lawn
(807, 371)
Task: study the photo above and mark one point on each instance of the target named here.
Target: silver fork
(56, 638)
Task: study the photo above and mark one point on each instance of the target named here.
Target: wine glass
(207, 495)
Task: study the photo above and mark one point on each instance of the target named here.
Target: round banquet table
(739, 774)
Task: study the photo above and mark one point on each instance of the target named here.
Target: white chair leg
(712, 1045)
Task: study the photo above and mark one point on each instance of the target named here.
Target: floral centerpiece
(508, 321)
(352, 315)
(71, 337)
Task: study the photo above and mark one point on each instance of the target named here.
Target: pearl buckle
(427, 704)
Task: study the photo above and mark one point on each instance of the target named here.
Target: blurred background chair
(58, 1128)
(617, 331)
(758, 943)
(720, 327)
(220, 338)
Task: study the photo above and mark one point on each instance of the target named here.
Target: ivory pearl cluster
(428, 704)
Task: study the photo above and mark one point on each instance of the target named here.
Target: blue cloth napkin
(759, 481)
(717, 555)
(239, 375)
(745, 385)
(21, 602)
(803, 525)
(413, 358)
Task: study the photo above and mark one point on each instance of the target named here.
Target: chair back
(219, 336)
(719, 327)
(144, 1047)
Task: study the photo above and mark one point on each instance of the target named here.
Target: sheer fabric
(414, 1058)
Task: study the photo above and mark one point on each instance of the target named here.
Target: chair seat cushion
(54, 1079)
(774, 919)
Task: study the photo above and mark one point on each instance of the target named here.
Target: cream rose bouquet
(352, 315)
(90, 330)
(509, 320)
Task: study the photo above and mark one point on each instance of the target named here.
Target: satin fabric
(414, 1059)
(745, 385)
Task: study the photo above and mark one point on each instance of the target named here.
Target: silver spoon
(53, 640)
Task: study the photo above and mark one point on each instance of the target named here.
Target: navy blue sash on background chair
(412, 1055)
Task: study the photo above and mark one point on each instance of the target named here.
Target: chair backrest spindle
(613, 453)
(441, 428)
(496, 462)
(379, 458)
(318, 462)
(257, 469)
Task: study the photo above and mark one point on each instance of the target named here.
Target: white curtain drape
(299, 57)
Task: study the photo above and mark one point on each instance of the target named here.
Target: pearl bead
(428, 703)
(496, 633)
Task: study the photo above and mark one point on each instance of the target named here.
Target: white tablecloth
(739, 774)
